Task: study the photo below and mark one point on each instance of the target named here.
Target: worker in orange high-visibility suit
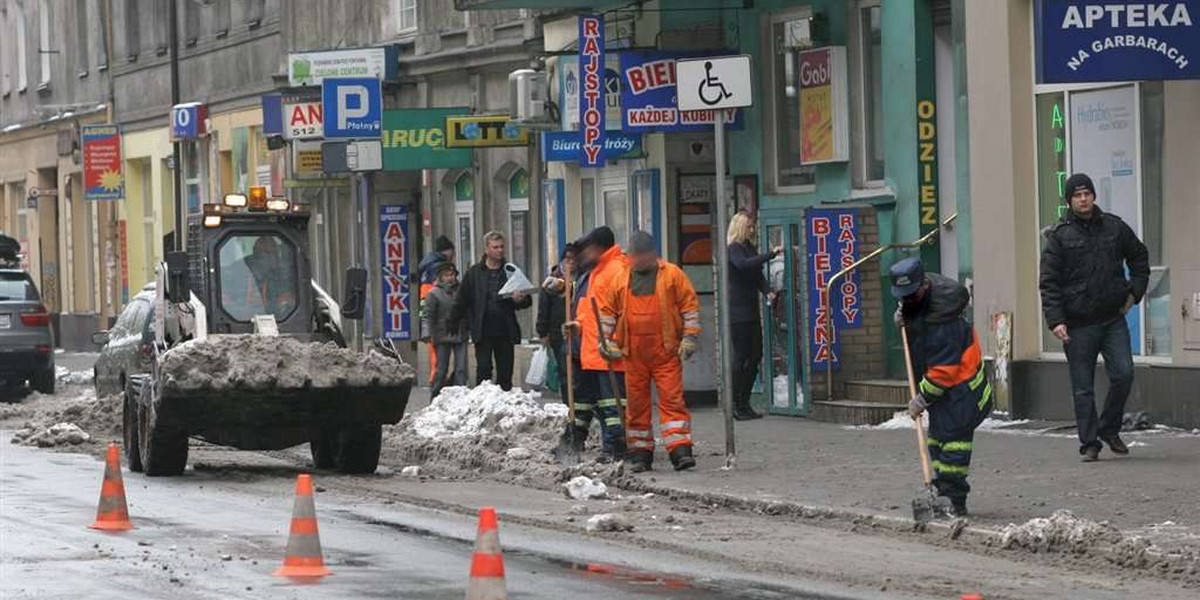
(658, 325)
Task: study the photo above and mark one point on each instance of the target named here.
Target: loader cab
(247, 262)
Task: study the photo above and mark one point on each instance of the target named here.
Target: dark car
(26, 343)
(128, 346)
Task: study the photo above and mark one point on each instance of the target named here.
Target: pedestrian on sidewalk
(493, 319)
(445, 337)
(1085, 295)
(604, 271)
(443, 251)
(658, 326)
(552, 312)
(746, 282)
(954, 387)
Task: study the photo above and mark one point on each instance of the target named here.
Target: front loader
(249, 351)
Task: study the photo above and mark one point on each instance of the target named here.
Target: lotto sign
(303, 121)
(188, 121)
(591, 80)
(102, 176)
(832, 245)
(353, 107)
(393, 230)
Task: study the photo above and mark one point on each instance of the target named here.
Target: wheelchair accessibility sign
(713, 82)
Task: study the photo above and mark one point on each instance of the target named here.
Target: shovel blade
(928, 505)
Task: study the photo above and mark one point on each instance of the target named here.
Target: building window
(518, 219)
(101, 25)
(616, 213)
(22, 63)
(254, 13)
(406, 15)
(45, 47)
(195, 173)
(464, 219)
(871, 51)
(81, 37)
(133, 40)
(5, 54)
(1115, 135)
(789, 35)
(162, 27)
(191, 22)
(221, 18)
(587, 191)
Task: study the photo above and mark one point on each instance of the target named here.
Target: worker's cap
(641, 243)
(907, 276)
(601, 237)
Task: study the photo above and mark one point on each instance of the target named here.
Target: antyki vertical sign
(393, 252)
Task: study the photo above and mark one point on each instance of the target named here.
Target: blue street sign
(187, 121)
(353, 107)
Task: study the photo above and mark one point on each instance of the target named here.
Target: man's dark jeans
(500, 348)
(1110, 339)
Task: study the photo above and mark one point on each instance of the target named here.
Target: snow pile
(59, 434)
(252, 362)
(1062, 531)
(66, 376)
(901, 420)
(608, 522)
(585, 488)
(465, 412)
(482, 430)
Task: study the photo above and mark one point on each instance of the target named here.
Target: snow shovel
(928, 505)
(567, 451)
(612, 375)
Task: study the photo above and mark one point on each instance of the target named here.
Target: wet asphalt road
(205, 537)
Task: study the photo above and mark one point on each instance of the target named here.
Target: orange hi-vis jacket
(678, 307)
(608, 279)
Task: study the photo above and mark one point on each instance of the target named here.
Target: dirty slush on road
(487, 433)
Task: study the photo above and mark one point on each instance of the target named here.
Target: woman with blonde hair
(746, 282)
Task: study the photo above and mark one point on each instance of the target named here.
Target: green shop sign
(416, 139)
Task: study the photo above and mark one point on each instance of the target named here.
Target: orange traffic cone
(303, 556)
(487, 564)
(972, 597)
(112, 514)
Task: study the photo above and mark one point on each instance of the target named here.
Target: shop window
(518, 219)
(464, 219)
(406, 15)
(1115, 135)
(871, 52)
(587, 191)
(790, 34)
(616, 213)
(195, 174)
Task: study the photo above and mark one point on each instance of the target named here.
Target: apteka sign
(1106, 40)
(591, 81)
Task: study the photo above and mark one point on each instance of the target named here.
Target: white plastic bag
(536, 376)
(517, 282)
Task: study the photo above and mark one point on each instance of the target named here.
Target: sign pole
(722, 258)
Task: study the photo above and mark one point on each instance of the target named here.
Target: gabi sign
(591, 86)
(1105, 40)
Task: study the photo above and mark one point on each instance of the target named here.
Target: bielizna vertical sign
(393, 251)
(591, 82)
(832, 245)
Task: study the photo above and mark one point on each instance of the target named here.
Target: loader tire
(163, 448)
(324, 444)
(129, 428)
(358, 449)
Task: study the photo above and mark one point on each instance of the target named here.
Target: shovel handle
(568, 293)
(922, 447)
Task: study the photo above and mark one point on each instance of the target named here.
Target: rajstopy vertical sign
(393, 252)
(832, 245)
(591, 82)
(102, 176)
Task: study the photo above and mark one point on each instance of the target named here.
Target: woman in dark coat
(746, 282)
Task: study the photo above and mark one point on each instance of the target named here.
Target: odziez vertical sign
(1106, 40)
(591, 84)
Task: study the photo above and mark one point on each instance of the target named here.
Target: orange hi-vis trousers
(648, 361)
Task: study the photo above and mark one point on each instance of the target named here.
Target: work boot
(616, 452)
(681, 457)
(960, 506)
(1092, 453)
(575, 437)
(1116, 445)
(640, 461)
(743, 412)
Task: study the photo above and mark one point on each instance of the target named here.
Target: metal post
(178, 172)
(724, 386)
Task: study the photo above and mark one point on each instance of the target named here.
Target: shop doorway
(780, 388)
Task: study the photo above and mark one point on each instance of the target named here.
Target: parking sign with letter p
(353, 107)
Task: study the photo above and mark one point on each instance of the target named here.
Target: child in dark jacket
(440, 330)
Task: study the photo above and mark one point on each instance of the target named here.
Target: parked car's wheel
(43, 381)
(129, 429)
(163, 448)
(358, 448)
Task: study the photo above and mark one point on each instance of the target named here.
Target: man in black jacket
(1085, 296)
(493, 319)
(552, 312)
